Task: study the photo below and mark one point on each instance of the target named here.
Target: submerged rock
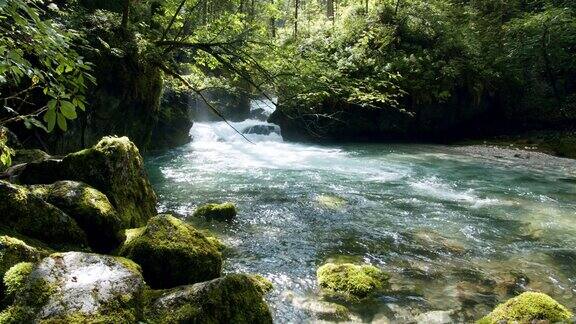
(28, 214)
(172, 253)
(261, 130)
(78, 287)
(323, 310)
(90, 208)
(219, 212)
(529, 307)
(434, 241)
(356, 280)
(113, 166)
(331, 202)
(235, 298)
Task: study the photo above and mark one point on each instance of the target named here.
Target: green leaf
(62, 122)
(50, 118)
(67, 109)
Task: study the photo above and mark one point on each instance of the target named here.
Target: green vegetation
(528, 308)
(357, 280)
(221, 212)
(172, 253)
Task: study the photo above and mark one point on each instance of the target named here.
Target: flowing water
(458, 230)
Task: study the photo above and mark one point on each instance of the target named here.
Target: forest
(287, 161)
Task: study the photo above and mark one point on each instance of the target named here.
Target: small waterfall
(254, 130)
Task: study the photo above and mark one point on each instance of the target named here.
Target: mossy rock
(172, 253)
(90, 208)
(28, 214)
(529, 307)
(358, 281)
(14, 251)
(14, 280)
(220, 212)
(235, 298)
(27, 156)
(113, 166)
(77, 287)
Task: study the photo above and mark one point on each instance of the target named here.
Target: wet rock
(260, 130)
(436, 242)
(323, 310)
(528, 308)
(331, 202)
(232, 299)
(28, 214)
(172, 253)
(435, 317)
(220, 212)
(90, 208)
(79, 287)
(114, 167)
(358, 281)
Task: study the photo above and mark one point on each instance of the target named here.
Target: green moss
(356, 280)
(233, 299)
(172, 253)
(528, 308)
(265, 285)
(14, 278)
(90, 208)
(220, 212)
(114, 167)
(27, 156)
(35, 294)
(29, 215)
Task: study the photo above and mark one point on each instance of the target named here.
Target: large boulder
(232, 299)
(26, 213)
(529, 307)
(114, 167)
(90, 208)
(78, 287)
(174, 121)
(356, 281)
(220, 212)
(172, 253)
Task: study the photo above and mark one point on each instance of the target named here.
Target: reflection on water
(458, 232)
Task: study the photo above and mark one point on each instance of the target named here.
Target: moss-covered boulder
(90, 208)
(28, 214)
(14, 280)
(78, 287)
(113, 166)
(172, 253)
(14, 251)
(529, 307)
(29, 155)
(220, 212)
(358, 281)
(232, 299)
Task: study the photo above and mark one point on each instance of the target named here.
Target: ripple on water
(459, 232)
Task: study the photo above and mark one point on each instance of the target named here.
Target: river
(459, 230)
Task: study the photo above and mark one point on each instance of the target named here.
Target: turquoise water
(459, 230)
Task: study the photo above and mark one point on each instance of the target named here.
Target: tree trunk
(330, 9)
(125, 15)
(296, 7)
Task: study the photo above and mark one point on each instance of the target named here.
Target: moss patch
(29, 215)
(356, 280)
(172, 253)
(15, 277)
(219, 212)
(233, 299)
(90, 208)
(114, 166)
(528, 307)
